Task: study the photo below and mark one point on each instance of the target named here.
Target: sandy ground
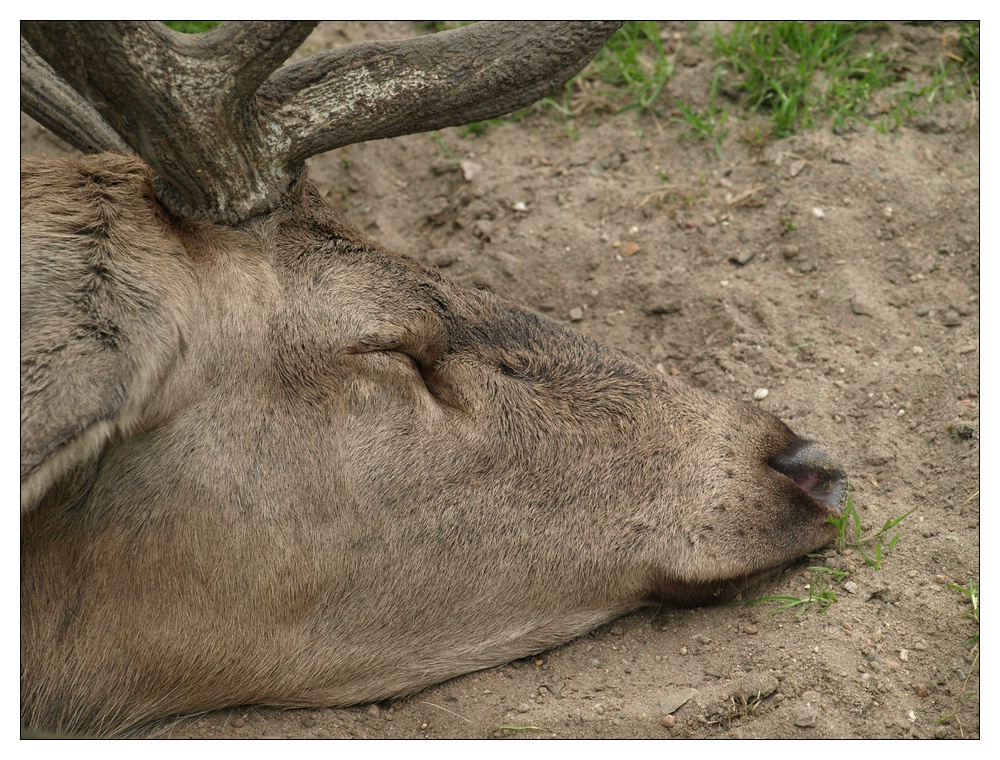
(838, 272)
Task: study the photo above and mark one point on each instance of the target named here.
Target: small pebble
(804, 717)
(904, 655)
(672, 701)
(750, 629)
(668, 721)
(470, 170)
(575, 315)
(523, 707)
(760, 394)
(921, 691)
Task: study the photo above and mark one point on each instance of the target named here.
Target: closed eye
(431, 380)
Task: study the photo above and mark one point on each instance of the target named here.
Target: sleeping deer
(265, 460)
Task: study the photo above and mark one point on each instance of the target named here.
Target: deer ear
(99, 323)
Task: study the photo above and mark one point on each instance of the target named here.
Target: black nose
(814, 472)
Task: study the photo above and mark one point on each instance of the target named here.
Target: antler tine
(185, 103)
(249, 51)
(374, 90)
(47, 99)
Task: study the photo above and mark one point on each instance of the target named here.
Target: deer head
(265, 460)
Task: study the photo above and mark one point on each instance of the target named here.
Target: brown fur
(278, 464)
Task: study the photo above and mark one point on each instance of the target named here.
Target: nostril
(806, 481)
(812, 470)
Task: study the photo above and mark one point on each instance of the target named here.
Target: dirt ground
(840, 272)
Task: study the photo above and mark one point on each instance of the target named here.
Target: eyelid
(417, 366)
(423, 366)
(409, 344)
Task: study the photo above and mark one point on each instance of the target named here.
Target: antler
(49, 100)
(226, 131)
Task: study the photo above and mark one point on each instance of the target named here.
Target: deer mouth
(811, 470)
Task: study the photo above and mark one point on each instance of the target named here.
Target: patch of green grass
(970, 592)
(192, 27)
(849, 532)
(634, 61)
(794, 70)
(819, 593)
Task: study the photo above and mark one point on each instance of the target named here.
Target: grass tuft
(793, 70)
(819, 593)
(633, 61)
(970, 592)
(849, 531)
